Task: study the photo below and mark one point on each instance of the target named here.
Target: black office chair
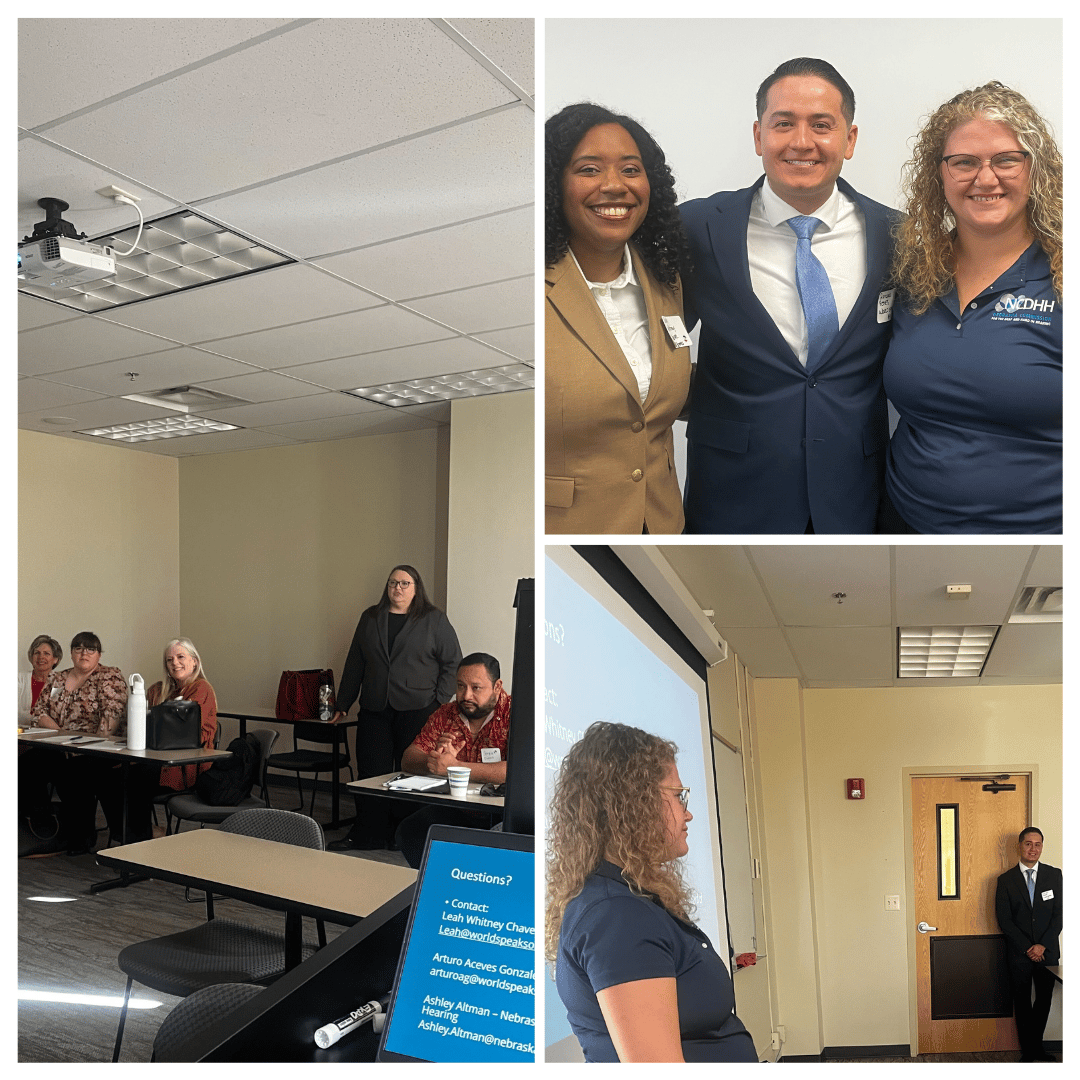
(221, 950)
(302, 760)
(197, 1012)
(165, 796)
(191, 806)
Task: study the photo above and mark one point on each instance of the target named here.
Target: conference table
(299, 881)
(109, 746)
(378, 786)
(266, 716)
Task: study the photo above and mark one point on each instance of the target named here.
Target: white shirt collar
(777, 211)
(1024, 869)
(625, 278)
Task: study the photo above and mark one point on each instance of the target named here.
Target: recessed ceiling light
(168, 427)
(499, 380)
(176, 252)
(944, 652)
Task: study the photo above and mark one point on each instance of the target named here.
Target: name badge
(884, 305)
(489, 755)
(676, 331)
(1048, 895)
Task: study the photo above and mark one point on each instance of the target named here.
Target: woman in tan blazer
(616, 355)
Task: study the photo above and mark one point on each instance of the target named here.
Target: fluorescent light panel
(175, 253)
(943, 652)
(497, 380)
(168, 427)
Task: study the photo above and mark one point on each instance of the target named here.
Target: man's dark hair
(491, 665)
(806, 65)
(660, 239)
(1030, 828)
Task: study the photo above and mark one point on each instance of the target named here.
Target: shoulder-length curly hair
(608, 804)
(923, 259)
(660, 240)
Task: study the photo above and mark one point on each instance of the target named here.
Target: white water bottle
(136, 714)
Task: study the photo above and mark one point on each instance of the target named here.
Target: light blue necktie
(815, 292)
(1031, 885)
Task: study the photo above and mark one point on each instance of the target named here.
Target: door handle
(924, 928)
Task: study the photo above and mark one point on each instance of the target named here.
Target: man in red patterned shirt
(472, 730)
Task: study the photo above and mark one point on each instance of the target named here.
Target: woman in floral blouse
(89, 697)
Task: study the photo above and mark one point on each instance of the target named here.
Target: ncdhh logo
(1013, 305)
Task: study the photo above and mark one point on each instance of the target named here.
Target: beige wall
(490, 541)
(282, 548)
(98, 549)
(839, 959)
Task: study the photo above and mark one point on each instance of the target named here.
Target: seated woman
(639, 980)
(184, 678)
(616, 355)
(35, 764)
(975, 364)
(88, 697)
(44, 654)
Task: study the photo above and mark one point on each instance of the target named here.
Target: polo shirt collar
(627, 277)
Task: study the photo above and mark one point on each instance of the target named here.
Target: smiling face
(180, 664)
(605, 191)
(1031, 848)
(803, 140)
(43, 661)
(676, 818)
(987, 204)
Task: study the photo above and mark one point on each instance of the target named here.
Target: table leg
(125, 879)
(293, 939)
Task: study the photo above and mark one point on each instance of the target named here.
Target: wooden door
(963, 838)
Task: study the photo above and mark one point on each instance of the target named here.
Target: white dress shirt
(839, 243)
(1024, 870)
(622, 303)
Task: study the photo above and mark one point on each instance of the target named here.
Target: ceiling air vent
(1039, 604)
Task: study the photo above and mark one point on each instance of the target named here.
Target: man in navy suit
(788, 422)
(1028, 905)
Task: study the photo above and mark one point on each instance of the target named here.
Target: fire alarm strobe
(856, 789)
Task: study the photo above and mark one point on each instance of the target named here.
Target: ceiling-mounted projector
(55, 256)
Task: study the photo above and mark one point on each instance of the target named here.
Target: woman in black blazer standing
(403, 664)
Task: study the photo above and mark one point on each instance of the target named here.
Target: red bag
(298, 693)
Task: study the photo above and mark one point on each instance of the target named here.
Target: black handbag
(174, 725)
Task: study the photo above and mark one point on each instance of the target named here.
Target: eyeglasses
(681, 793)
(398, 584)
(84, 649)
(967, 166)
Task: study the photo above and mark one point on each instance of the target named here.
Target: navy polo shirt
(978, 446)
(610, 936)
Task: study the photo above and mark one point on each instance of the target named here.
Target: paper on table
(416, 783)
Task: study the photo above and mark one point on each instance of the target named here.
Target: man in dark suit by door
(1028, 905)
(788, 423)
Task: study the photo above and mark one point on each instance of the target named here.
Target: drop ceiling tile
(721, 578)
(1047, 568)
(292, 410)
(301, 97)
(101, 412)
(397, 365)
(922, 572)
(349, 427)
(1032, 649)
(483, 307)
(337, 335)
(267, 298)
(508, 43)
(519, 341)
(34, 313)
(261, 386)
(764, 651)
(77, 183)
(148, 49)
(463, 172)
(471, 253)
(216, 442)
(156, 371)
(38, 394)
(839, 653)
(800, 581)
(61, 346)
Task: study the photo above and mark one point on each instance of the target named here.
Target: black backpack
(229, 780)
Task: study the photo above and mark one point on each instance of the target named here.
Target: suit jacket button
(636, 426)
(813, 382)
(636, 475)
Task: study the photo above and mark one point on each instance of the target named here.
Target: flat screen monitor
(466, 979)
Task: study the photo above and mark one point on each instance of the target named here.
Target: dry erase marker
(330, 1033)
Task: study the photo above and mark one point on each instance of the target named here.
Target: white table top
(376, 785)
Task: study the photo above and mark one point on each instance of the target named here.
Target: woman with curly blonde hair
(974, 367)
(639, 980)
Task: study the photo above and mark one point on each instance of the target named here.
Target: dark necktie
(815, 292)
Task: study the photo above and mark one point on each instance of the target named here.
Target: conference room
(864, 730)
(316, 366)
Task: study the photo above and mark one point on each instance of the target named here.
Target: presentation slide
(467, 987)
(603, 662)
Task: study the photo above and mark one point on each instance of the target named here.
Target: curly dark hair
(660, 240)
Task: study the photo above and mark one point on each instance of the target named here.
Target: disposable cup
(459, 780)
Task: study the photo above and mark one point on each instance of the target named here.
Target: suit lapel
(657, 333)
(571, 297)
